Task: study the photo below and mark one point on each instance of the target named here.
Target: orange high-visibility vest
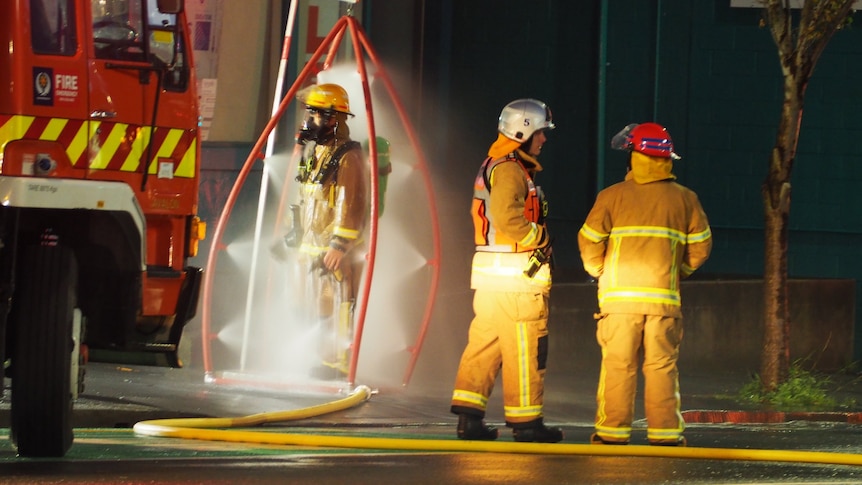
(487, 237)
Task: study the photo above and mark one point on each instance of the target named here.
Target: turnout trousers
(621, 337)
(509, 333)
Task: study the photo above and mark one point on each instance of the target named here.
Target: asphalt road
(369, 442)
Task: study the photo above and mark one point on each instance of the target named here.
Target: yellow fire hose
(204, 429)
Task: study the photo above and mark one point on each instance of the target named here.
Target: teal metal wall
(500, 51)
(707, 71)
(717, 87)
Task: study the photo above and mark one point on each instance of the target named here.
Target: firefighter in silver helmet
(512, 279)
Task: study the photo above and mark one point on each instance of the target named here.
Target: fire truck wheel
(43, 312)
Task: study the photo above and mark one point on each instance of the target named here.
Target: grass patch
(802, 391)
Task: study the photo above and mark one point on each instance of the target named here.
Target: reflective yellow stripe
(700, 236)
(523, 412)
(53, 129)
(644, 295)
(186, 167)
(474, 398)
(530, 238)
(593, 235)
(665, 434)
(166, 150)
(94, 129)
(133, 160)
(78, 145)
(601, 415)
(619, 434)
(615, 263)
(312, 250)
(15, 128)
(345, 233)
(106, 151)
(649, 231)
(523, 364)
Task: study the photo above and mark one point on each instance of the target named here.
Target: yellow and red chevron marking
(107, 145)
(71, 134)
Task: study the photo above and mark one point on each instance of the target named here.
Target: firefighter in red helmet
(641, 237)
(512, 280)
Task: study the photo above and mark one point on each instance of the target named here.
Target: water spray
(329, 45)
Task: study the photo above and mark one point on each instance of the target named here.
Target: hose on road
(211, 429)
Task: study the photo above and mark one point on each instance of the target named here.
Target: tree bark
(775, 359)
(798, 53)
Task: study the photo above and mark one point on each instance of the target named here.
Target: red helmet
(648, 138)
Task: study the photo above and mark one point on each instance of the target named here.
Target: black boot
(472, 427)
(537, 432)
(680, 441)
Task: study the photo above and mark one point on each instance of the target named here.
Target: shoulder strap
(340, 151)
(333, 163)
(490, 165)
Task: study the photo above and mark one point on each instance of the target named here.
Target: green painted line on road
(100, 444)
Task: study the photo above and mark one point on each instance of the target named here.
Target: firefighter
(641, 237)
(328, 222)
(512, 280)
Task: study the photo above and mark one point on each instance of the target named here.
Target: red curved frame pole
(372, 226)
(432, 206)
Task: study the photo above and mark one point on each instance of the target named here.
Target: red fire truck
(99, 166)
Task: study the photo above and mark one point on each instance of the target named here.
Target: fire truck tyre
(43, 309)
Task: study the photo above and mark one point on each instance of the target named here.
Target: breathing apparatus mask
(316, 126)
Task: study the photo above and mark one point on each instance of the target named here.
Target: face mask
(311, 131)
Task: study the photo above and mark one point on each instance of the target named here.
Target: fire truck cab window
(117, 28)
(166, 47)
(52, 27)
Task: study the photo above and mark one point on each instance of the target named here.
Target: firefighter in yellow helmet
(512, 280)
(328, 222)
(641, 237)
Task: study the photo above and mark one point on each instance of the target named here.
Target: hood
(646, 169)
(504, 146)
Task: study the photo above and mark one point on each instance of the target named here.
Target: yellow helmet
(329, 97)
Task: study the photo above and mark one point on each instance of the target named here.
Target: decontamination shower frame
(330, 44)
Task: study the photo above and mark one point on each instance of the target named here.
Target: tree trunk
(775, 359)
(798, 52)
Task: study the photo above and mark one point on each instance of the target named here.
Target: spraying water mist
(256, 322)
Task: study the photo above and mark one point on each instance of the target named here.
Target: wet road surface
(107, 450)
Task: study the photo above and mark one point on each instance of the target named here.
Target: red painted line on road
(754, 417)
